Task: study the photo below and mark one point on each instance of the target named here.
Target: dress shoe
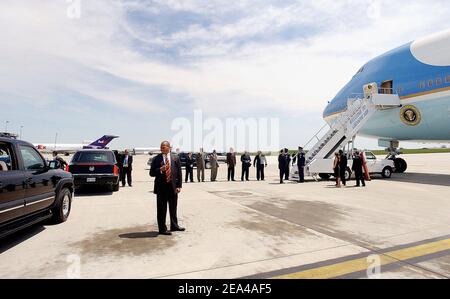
(178, 229)
(166, 233)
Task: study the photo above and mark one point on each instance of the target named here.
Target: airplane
(100, 143)
(146, 150)
(419, 73)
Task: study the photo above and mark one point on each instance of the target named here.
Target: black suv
(31, 190)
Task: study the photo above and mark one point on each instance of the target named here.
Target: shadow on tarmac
(21, 236)
(139, 235)
(422, 178)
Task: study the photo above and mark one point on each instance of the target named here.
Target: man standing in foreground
(166, 169)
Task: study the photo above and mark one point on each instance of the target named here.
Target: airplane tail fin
(101, 142)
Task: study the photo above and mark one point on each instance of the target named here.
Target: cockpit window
(360, 70)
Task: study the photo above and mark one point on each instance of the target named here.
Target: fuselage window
(438, 81)
(430, 83)
(422, 85)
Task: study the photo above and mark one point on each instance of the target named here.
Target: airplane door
(387, 87)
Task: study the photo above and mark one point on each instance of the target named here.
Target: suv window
(93, 157)
(32, 160)
(6, 157)
(370, 156)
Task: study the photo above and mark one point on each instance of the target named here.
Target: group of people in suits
(284, 163)
(259, 162)
(340, 165)
(200, 164)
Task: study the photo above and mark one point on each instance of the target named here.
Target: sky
(86, 68)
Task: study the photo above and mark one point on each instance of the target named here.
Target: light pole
(6, 126)
(56, 138)
(20, 135)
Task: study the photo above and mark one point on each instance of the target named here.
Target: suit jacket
(160, 178)
(130, 161)
(257, 160)
(282, 161)
(246, 160)
(61, 161)
(213, 161)
(357, 164)
(189, 162)
(231, 159)
(200, 160)
(300, 158)
(343, 162)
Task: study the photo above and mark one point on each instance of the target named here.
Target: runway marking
(361, 264)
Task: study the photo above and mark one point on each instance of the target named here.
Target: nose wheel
(400, 165)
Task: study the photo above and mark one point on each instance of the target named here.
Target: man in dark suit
(231, 162)
(127, 168)
(62, 162)
(288, 164)
(246, 163)
(282, 165)
(343, 166)
(166, 169)
(189, 168)
(357, 167)
(301, 161)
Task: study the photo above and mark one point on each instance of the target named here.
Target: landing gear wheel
(324, 176)
(400, 165)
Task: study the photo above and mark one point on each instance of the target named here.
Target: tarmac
(393, 228)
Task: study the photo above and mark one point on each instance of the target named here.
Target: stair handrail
(315, 136)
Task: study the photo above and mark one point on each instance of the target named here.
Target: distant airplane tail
(100, 143)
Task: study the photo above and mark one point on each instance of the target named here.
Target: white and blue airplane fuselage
(419, 72)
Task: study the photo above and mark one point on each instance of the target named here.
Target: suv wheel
(63, 205)
(387, 172)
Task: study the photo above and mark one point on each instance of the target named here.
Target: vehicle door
(12, 187)
(372, 164)
(40, 184)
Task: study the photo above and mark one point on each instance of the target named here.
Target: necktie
(168, 173)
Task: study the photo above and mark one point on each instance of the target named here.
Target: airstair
(343, 130)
